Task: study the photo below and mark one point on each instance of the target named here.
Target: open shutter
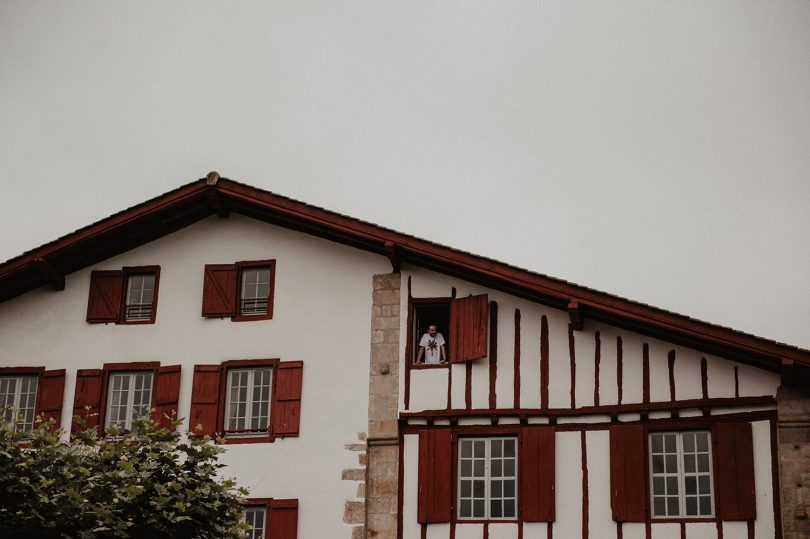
(219, 290)
(286, 405)
(435, 461)
(469, 320)
(282, 519)
(205, 399)
(167, 393)
(627, 488)
(735, 471)
(104, 303)
(50, 395)
(87, 400)
(537, 456)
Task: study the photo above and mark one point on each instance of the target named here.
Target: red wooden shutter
(627, 488)
(282, 519)
(219, 290)
(167, 393)
(537, 455)
(435, 461)
(287, 398)
(87, 400)
(50, 394)
(104, 303)
(469, 319)
(735, 471)
(205, 399)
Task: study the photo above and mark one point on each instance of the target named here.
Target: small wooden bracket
(50, 273)
(216, 202)
(575, 314)
(392, 253)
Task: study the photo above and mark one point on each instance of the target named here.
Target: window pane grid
(255, 517)
(18, 401)
(487, 478)
(140, 294)
(248, 406)
(129, 398)
(255, 291)
(680, 472)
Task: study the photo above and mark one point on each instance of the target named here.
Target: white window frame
(142, 312)
(487, 479)
(681, 475)
(254, 299)
(256, 532)
(250, 399)
(129, 409)
(16, 397)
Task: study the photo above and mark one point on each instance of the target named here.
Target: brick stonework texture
(793, 404)
(383, 434)
(354, 510)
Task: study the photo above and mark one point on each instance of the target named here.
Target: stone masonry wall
(793, 403)
(383, 433)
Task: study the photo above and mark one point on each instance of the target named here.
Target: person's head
(432, 330)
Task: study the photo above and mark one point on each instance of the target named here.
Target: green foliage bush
(143, 484)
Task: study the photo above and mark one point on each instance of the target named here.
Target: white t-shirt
(432, 345)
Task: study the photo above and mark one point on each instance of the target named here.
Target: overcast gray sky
(655, 150)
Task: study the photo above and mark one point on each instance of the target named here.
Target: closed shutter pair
(206, 394)
(536, 455)
(734, 490)
(89, 400)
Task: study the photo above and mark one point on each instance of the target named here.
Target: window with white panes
(18, 400)
(247, 409)
(681, 474)
(129, 397)
(487, 478)
(255, 518)
(255, 291)
(140, 297)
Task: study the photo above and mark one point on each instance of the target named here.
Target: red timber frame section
(208, 397)
(50, 391)
(90, 399)
(194, 201)
(281, 520)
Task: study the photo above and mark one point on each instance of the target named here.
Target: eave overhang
(167, 213)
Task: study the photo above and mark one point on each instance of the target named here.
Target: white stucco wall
(322, 316)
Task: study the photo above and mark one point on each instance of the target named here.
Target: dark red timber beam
(187, 204)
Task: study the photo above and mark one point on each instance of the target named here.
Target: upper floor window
(243, 291)
(681, 474)
(268, 517)
(248, 400)
(129, 398)
(18, 400)
(127, 296)
(140, 297)
(120, 393)
(487, 473)
(446, 330)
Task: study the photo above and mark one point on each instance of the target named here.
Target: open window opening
(430, 333)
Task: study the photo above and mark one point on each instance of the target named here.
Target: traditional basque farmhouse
(372, 384)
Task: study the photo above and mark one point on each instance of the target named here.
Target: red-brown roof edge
(261, 204)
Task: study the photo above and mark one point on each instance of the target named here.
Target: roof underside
(138, 225)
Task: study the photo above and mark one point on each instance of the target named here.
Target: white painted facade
(429, 387)
(321, 316)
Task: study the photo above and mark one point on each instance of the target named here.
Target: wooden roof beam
(576, 315)
(213, 196)
(50, 273)
(393, 255)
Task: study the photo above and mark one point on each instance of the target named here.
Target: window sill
(430, 365)
(250, 439)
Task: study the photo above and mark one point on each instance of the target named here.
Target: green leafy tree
(142, 484)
